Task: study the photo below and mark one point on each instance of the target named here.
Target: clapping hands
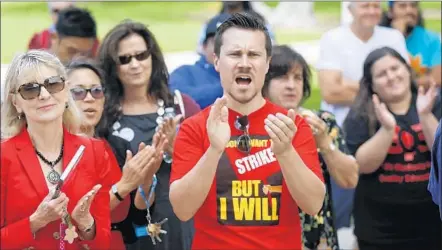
(426, 98)
(281, 129)
(81, 213)
(169, 129)
(50, 209)
(384, 116)
(217, 125)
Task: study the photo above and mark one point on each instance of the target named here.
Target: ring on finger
(83, 207)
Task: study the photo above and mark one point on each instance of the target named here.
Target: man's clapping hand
(218, 128)
(281, 129)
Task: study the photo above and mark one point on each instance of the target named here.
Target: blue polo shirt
(435, 182)
(200, 81)
(424, 48)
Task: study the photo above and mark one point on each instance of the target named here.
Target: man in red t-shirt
(243, 166)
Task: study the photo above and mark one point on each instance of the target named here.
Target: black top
(134, 129)
(392, 205)
(119, 147)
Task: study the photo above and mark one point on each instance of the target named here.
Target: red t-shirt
(240, 212)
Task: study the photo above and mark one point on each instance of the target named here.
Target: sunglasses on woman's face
(80, 93)
(243, 143)
(53, 84)
(126, 59)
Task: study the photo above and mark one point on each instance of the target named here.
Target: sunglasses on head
(53, 84)
(80, 93)
(243, 143)
(126, 59)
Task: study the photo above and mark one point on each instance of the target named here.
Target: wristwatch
(331, 147)
(115, 192)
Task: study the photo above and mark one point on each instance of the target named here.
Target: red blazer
(23, 187)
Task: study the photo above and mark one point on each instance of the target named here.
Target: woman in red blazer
(38, 120)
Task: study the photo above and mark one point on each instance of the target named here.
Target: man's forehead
(240, 38)
(78, 42)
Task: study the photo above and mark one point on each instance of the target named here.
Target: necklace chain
(51, 163)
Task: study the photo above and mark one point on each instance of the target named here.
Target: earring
(19, 116)
(67, 105)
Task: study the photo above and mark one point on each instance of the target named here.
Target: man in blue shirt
(201, 81)
(435, 182)
(423, 45)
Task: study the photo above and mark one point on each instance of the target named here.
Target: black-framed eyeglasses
(80, 93)
(53, 84)
(243, 143)
(126, 59)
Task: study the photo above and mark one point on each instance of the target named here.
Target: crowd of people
(102, 148)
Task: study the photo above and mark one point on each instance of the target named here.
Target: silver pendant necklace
(53, 176)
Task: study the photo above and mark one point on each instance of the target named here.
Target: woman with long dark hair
(138, 103)
(86, 86)
(390, 130)
(287, 84)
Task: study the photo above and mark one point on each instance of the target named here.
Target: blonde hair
(23, 62)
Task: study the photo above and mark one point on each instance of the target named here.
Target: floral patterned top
(319, 229)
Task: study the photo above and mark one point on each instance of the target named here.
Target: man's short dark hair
(242, 21)
(76, 22)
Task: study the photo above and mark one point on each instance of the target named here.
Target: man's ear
(269, 59)
(215, 61)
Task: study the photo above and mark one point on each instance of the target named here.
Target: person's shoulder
(439, 130)
(427, 34)
(388, 33)
(190, 104)
(272, 108)
(39, 40)
(8, 144)
(182, 69)
(197, 120)
(96, 143)
(336, 33)
(184, 74)
(42, 33)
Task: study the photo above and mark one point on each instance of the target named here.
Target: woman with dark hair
(390, 130)
(287, 84)
(86, 86)
(138, 103)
